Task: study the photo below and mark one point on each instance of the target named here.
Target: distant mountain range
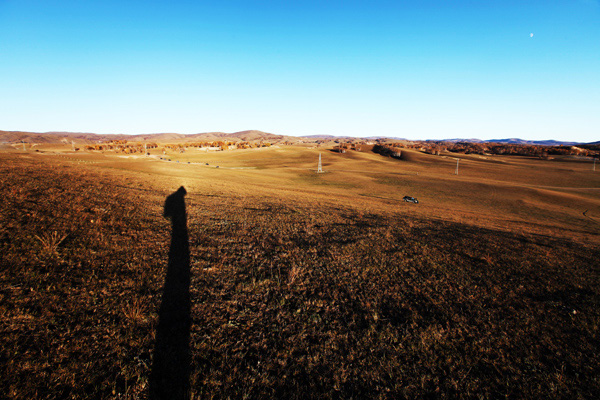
(80, 137)
(507, 141)
(249, 135)
(514, 141)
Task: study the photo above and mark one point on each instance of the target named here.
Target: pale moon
(531, 35)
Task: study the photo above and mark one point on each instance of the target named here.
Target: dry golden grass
(514, 193)
(302, 284)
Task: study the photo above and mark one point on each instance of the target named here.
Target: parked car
(409, 199)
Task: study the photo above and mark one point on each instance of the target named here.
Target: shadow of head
(175, 205)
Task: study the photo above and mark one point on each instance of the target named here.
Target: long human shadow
(170, 374)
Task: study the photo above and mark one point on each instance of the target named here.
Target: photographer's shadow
(170, 375)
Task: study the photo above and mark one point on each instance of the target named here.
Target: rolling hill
(247, 135)
(88, 138)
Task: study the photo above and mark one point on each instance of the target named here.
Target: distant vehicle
(409, 199)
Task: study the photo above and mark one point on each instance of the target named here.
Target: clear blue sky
(414, 69)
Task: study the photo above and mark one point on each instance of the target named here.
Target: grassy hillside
(90, 138)
(301, 284)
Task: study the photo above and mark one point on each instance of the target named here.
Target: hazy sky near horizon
(415, 69)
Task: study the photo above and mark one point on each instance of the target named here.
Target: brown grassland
(302, 285)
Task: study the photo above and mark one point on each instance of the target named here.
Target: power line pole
(24, 149)
(319, 168)
(456, 172)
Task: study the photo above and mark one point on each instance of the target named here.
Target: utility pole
(72, 145)
(456, 172)
(24, 149)
(594, 167)
(319, 168)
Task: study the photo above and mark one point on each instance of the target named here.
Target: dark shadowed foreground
(170, 378)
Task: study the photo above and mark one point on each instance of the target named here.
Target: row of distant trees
(390, 150)
(136, 147)
(506, 149)
(394, 149)
(121, 146)
(223, 145)
(343, 146)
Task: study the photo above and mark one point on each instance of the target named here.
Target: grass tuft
(50, 241)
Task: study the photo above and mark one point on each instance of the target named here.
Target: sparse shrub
(50, 241)
(134, 312)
